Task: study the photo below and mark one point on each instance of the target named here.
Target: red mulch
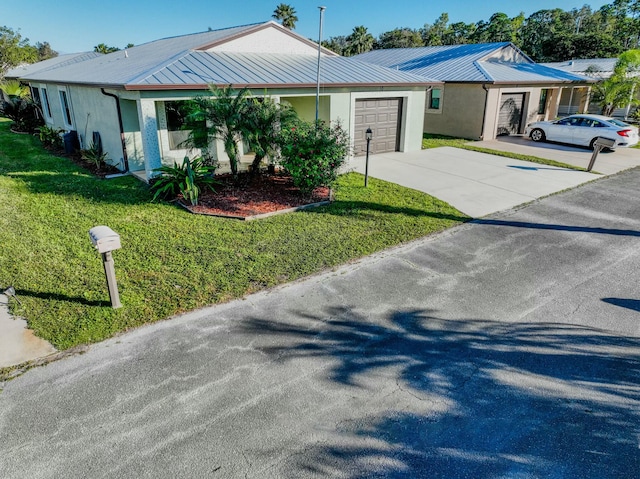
(246, 196)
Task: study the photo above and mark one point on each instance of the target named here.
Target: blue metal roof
(482, 62)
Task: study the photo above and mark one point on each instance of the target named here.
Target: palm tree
(222, 116)
(266, 119)
(360, 41)
(287, 15)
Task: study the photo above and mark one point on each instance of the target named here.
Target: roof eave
(196, 86)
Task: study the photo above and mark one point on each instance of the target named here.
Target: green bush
(313, 153)
(187, 179)
(50, 137)
(23, 111)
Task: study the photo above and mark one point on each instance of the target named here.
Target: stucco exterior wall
(94, 111)
(462, 111)
(269, 40)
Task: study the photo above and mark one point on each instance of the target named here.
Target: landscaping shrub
(187, 179)
(24, 113)
(51, 137)
(95, 155)
(313, 153)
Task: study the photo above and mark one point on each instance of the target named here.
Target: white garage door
(383, 116)
(511, 109)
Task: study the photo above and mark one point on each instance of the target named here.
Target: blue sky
(79, 25)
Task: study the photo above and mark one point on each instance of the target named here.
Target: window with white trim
(46, 108)
(66, 110)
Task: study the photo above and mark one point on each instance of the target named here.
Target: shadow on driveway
(486, 399)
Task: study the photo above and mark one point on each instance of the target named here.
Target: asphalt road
(504, 348)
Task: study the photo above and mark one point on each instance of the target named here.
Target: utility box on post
(106, 240)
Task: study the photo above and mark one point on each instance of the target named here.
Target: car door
(585, 131)
(562, 130)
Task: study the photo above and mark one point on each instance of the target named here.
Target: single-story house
(127, 97)
(597, 68)
(490, 89)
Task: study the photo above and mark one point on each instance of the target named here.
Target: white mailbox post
(106, 240)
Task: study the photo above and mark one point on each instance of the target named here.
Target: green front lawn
(171, 261)
(435, 141)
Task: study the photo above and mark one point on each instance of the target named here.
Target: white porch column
(554, 104)
(149, 132)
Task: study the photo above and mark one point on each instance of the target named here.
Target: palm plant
(360, 41)
(222, 116)
(618, 90)
(187, 179)
(266, 119)
(287, 15)
(14, 89)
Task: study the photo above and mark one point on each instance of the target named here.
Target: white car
(583, 130)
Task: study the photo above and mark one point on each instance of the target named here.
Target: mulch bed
(247, 197)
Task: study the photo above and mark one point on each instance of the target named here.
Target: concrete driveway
(475, 183)
(608, 162)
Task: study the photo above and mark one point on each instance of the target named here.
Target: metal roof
(505, 72)
(184, 62)
(52, 63)
(483, 62)
(197, 68)
(595, 65)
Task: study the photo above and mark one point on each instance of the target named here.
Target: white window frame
(46, 105)
(65, 105)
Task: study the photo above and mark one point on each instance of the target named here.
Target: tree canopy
(548, 35)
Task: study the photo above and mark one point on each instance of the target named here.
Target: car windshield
(618, 122)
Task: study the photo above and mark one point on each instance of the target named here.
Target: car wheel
(537, 135)
(592, 144)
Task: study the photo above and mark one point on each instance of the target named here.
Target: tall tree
(437, 33)
(336, 44)
(103, 48)
(14, 50)
(45, 51)
(286, 14)
(619, 90)
(359, 41)
(399, 38)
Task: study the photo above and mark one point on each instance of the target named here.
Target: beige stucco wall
(461, 112)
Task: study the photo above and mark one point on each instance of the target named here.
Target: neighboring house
(490, 89)
(598, 69)
(130, 97)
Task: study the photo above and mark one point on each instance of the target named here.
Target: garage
(383, 116)
(510, 117)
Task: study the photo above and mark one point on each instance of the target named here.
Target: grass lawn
(435, 141)
(171, 261)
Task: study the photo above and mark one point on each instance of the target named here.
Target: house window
(66, 111)
(46, 108)
(542, 106)
(434, 98)
(177, 112)
(35, 94)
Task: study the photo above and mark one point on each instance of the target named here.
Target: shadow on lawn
(340, 207)
(60, 297)
(469, 398)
